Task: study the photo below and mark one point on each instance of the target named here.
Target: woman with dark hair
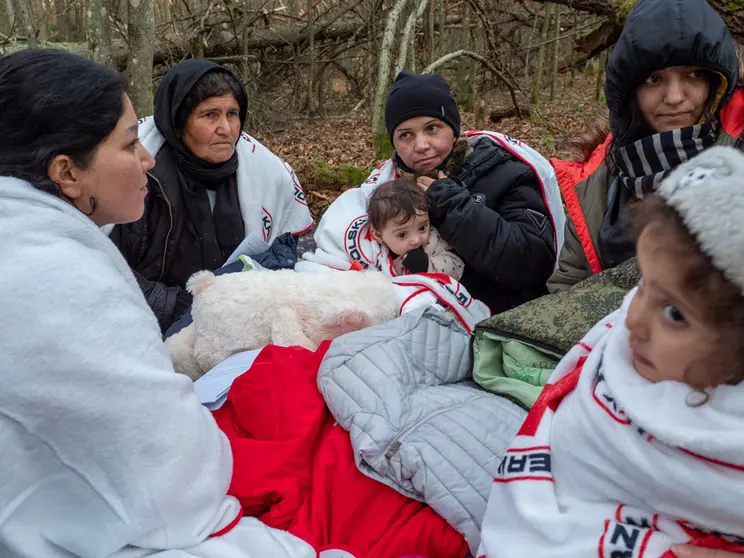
(212, 185)
(491, 197)
(671, 91)
(106, 450)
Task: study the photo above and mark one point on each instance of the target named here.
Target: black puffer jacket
(494, 216)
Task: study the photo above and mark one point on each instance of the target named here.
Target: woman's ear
(65, 174)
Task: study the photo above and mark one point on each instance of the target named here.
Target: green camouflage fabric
(515, 351)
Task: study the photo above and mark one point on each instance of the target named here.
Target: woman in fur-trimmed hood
(671, 91)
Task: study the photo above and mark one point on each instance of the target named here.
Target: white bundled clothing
(106, 451)
(344, 232)
(608, 464)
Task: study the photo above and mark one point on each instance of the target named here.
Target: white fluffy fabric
(106, 450)
(708, 192)
(610, 464)
(248, 310)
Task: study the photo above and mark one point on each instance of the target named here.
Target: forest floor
(333, 153)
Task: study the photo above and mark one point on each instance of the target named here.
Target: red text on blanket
(267, 223)
(353, 238)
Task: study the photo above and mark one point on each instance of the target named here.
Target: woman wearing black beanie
(484, 199)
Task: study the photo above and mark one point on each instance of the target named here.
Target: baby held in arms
(399, 219)
(637, 442)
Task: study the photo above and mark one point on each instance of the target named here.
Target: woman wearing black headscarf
(211, 186)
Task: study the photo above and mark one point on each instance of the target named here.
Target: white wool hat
(708, 193)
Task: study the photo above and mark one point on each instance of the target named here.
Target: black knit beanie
(413, 95)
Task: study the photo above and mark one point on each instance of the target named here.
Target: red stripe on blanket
(624, 422)
(520, 450)
(714, 461)
(550, 398)
(644, 544)
(600, 552)
(524, 478)
(412, 295)
(303, 231)
(229, 527)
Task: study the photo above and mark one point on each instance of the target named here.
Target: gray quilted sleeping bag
(418, 423)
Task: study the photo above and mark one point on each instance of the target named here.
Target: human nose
(674, 93)
(422, 143)
(637, 320)
(148, 161)
(223, 126)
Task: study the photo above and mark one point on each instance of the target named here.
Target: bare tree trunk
(406, 41)
(600, 76)
(442, 19)
(42, 12)
(539, 70)
(556, 52)
(430, 31)
(462, 83)
(529, 50)
(141, 19)
(98, 32)
(379, 133)
(23, 8)
(312, 104)
(573, 52)
(10, 17)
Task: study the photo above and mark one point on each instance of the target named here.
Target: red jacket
(294, 468)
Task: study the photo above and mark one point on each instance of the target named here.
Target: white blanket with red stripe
(610, 465)
(343, 233)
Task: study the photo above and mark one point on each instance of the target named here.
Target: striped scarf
(644, 164)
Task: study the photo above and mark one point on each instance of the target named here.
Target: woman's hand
(424, 181)
(686, 551)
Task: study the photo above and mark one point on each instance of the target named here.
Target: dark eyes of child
(673, 314)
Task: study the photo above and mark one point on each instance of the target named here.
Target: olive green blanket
(516, 351)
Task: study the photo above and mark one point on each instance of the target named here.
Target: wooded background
(322, 67)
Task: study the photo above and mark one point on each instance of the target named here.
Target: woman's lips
(674, 115)
(426, 161)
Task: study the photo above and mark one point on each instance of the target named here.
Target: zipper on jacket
(398, 440)
(170, 226)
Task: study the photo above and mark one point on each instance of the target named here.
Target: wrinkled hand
(424, 181)
(685, 551)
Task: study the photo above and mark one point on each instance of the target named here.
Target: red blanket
(294, 468)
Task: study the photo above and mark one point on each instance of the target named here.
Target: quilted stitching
(409, 381)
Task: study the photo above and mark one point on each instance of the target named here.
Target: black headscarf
(208, 236)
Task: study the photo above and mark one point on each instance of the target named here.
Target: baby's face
(401, 238)
(669, 337)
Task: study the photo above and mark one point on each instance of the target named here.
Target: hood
(176, 85)
(663, 33)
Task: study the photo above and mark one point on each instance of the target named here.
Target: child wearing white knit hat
(637, 442)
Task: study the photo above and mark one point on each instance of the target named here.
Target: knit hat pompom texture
(708, 193)
(413, 95)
